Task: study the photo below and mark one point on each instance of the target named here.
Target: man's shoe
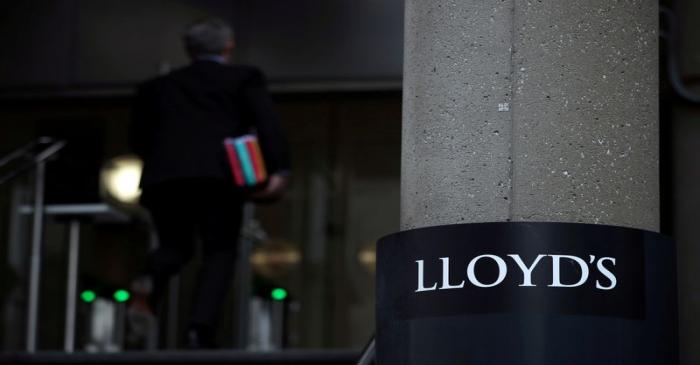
(142, 326)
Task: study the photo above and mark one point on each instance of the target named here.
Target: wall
(80, 44)
(685, 149)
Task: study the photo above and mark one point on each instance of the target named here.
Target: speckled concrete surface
(531, 111)
(456, 143)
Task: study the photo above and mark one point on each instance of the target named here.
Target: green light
(121, 295)
(278, 294)
(88, 296)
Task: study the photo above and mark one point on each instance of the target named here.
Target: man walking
(180, 121)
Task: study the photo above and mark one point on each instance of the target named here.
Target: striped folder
(247, 164)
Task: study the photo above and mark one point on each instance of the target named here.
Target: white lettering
(446, 275)
(502, 270)
(420, 279)
(527, 271)
(604, 265)
(556, 271)
(603, 270)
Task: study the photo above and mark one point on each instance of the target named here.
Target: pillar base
(526, 293)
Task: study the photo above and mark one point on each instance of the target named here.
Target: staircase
(232, 357)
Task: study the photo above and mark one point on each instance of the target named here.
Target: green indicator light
(88, 296)
(278, 294)
(121, 295)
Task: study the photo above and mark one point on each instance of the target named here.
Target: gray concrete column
(540, 110)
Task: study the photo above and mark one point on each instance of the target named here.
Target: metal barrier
(33, 155)
(368, 356)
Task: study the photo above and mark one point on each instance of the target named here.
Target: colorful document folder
(246, 160)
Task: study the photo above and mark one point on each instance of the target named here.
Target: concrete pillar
(530, 110)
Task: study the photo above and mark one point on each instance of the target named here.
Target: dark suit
(181, 119)
(179, 123)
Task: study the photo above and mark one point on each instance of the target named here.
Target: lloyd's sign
(526, 293)
(583, 272)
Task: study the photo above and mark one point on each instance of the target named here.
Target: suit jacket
(180, 121)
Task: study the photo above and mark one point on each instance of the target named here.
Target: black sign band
(466, 273)
(484, 268)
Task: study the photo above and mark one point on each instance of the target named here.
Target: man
(180, 121)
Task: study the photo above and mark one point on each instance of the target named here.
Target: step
(233, 357)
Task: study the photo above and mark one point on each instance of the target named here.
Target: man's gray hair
(207, 37)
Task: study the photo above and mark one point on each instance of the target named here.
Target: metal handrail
(54, 146)
(22, 151)
(35, 156)
(369, 356)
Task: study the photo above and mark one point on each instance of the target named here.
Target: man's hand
(276, 185)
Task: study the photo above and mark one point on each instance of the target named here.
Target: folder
(246, 160)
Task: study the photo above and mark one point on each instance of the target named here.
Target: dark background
(335, 69)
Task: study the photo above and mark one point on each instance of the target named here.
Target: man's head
(209, 37)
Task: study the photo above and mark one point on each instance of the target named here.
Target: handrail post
(35, 258)
(72, 284)
(368, 356)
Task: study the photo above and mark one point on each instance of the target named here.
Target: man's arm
(273, 143)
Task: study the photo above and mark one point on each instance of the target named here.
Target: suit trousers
(182, 210)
